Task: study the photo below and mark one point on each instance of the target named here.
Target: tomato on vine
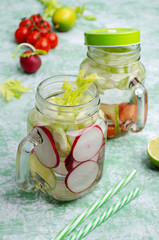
(21, 34)
(36, 18)
(53, 39)
(37, 32)
(26, 23)
(33, 37)
(43, 44)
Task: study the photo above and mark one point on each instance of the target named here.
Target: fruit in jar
(112, 112)
(127, 111)
(44, 176)
(63, 19)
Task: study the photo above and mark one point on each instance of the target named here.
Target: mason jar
(63, 153)
(114, 54)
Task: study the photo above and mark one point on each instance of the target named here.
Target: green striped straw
(65, 231)
(105, 215)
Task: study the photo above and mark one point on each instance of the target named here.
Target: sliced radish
(95, 158)
(87, 144)
(102, 151)
(82, 176)
(61, 169)
(69, 162)
(46, 151)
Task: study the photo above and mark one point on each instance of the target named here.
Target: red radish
(95, 158)
(61, 169)
(82, 176)
(46, 151)
(30, 60)
(30, 64)
(70, 163)
(88, 144)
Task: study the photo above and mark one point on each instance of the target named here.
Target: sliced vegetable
(112, 112)
(88, 144)
(127, 111)
(10, 88)
(45, 177)
(82, 176)
(61, 169)
(46, 151)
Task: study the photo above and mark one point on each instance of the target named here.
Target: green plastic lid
(112, 37)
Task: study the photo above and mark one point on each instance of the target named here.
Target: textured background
(34, 216)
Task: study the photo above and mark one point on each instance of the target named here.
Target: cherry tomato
(43, 32)
(36, 18)
(33, 37)
(21, 34)
(26, 23)
(43, 24)
(43, 44)
(53, 39)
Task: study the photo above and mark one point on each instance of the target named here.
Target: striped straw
(95, 206)
(105, 215)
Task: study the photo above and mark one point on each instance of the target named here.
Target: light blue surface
(32, 216)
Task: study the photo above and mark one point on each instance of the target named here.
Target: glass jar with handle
(114, 54)
(63, 153)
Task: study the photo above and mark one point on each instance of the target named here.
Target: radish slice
(61, 169)
(88, 144)
(95, 158)
(46, 151)
(69, 162)
(82, 176)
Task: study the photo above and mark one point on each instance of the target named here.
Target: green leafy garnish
(10, 88)
(36, 52)
(80, 13)
(73, 92)
(90, 17)
(51, 6)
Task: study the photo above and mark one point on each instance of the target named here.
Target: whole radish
(30, 60)
(31, 63)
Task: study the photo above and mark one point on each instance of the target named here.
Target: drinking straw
(105, 215)
(95, 206)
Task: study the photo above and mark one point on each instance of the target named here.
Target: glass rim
(44, 100)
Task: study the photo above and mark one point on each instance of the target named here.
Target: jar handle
(25, 149)
(141, 98)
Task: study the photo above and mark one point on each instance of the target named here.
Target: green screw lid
(112, 37)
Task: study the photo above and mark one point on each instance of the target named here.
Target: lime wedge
(44, 177)
(153, 150)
